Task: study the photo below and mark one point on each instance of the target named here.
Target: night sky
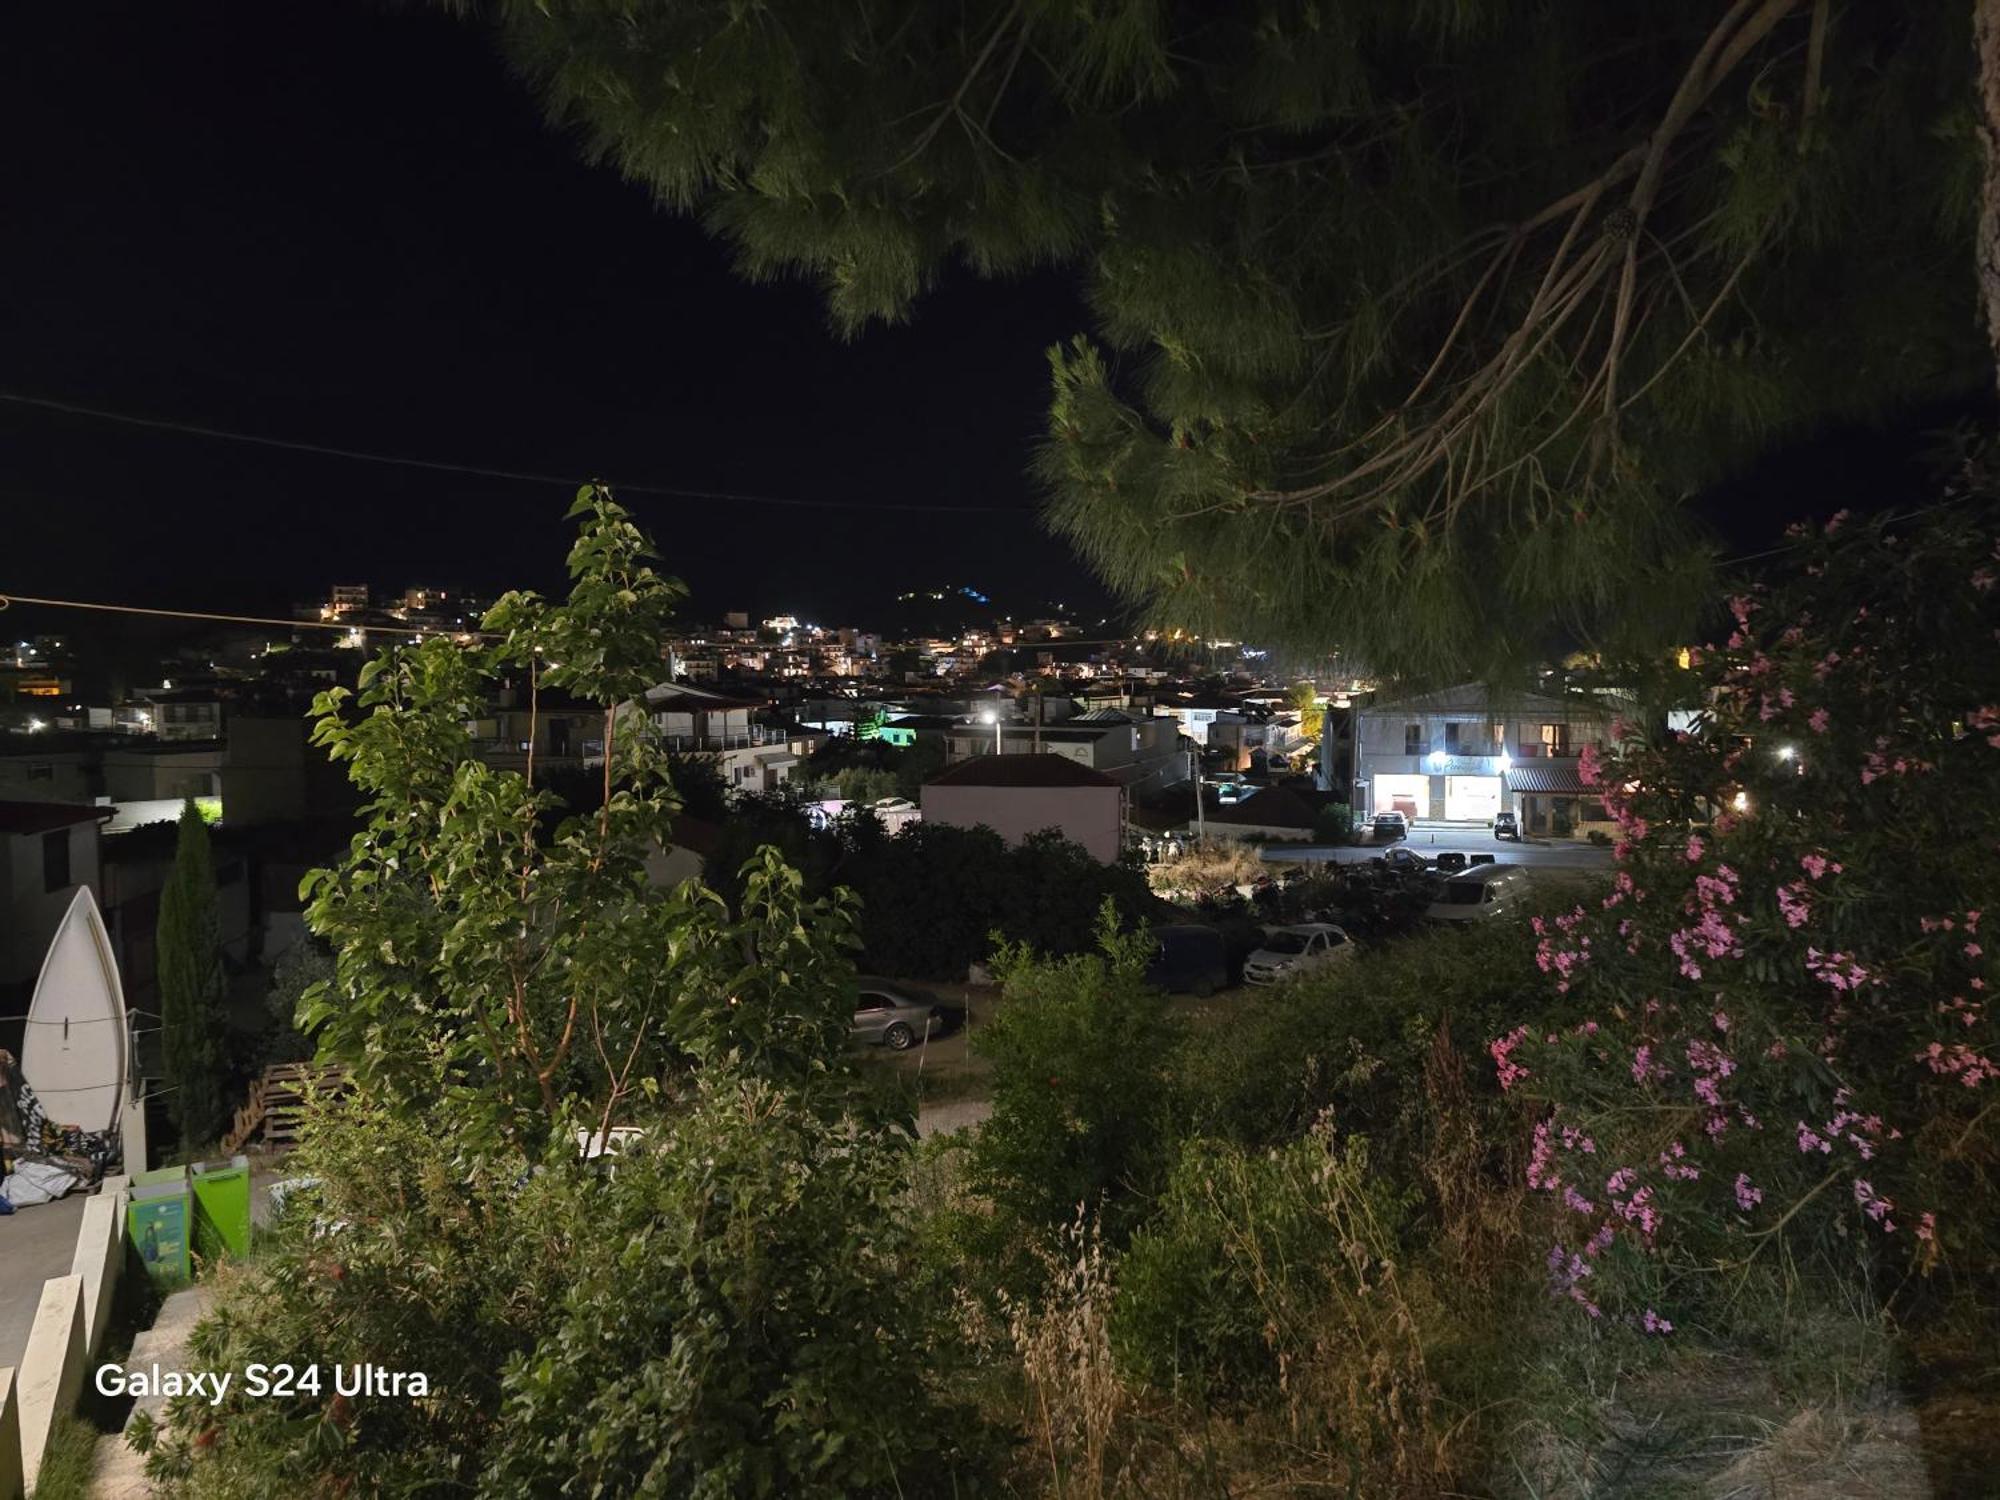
(347, 225)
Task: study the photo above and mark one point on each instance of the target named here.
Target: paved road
(1432, 842)
(35, 1244)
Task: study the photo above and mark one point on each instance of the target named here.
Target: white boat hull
(74, 1053)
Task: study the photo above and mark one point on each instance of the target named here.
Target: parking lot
(1431, 842)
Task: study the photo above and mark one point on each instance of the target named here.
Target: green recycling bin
(158, 1216)
(221, 1207)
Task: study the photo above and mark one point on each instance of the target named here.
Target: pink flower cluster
(1502, 1049)
(1555, 955)
(1747, 1195)
(1843, 971)
(1674, 1163)
(1874, 1204)
(1959, 1061)
(1986, 719)
(1794, 903)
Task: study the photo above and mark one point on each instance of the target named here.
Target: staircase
(277, 1102)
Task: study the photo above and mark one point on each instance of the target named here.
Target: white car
(1481, 894)
(1291, 951)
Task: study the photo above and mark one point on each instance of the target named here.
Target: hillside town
(1031, 750)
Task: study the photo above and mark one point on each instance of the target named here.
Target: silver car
(1299, 949)
(896, 1015)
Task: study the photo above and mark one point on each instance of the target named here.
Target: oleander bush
(1767, 1054)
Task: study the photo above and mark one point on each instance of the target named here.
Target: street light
(987, 716)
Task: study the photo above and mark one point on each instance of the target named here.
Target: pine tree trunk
(1986, 42)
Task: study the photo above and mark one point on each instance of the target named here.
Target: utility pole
(1200, 818)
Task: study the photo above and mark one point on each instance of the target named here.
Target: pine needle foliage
(1416, 322)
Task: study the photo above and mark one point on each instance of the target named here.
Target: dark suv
(1506, 826)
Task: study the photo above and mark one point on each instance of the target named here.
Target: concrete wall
(1093, 816)
(10, 1437)
(70, 1324)
(28, 913)
(152, 775)
(51, 1374)
(63, 776)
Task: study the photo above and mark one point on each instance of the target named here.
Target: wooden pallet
(277, 1103)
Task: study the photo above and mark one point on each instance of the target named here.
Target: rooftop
(1021, 771)
(46, 817)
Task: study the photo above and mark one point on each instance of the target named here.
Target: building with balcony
(1464, 754)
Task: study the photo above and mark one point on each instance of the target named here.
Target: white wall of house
(30, 908)
(1093, 816)
(61, 776)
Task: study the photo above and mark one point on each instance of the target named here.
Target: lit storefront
(1471, 799)
(1409, 795)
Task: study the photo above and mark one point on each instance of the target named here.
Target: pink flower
(1694, 848)
(1747, 1196)
(1973, 950)
(1813, 864)
(1817, 721)
(1654, 1323)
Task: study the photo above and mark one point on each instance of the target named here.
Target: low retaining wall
(10, 1439)
(69, 1328)
(51, 1369)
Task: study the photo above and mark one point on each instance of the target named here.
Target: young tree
(1414, 323)
(720, 1310)
(193, 991)
(1311, 709)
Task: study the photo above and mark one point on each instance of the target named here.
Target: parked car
(1483, 893)
(900, 1015)
(1449, 863)
(1391, 825)
(1191, 959)
(1300, 949)
(1402, 857)
(1506, 826)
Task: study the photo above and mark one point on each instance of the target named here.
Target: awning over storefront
(1558, 776)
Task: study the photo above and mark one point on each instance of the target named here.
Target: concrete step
(117, 1472)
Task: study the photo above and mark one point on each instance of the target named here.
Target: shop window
(1413, 739)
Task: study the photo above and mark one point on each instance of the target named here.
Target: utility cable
(327, 450)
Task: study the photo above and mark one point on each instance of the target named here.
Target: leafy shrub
(933, 895)
(1349, 1039)
(672, 1326)
(1333, 824)
(1079, 1055)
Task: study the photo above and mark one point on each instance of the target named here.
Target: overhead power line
(326, 450)
(344, 628)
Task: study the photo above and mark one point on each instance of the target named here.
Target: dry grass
(1207, 864)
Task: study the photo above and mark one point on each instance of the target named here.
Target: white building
(1016, 795)
(1461, 755)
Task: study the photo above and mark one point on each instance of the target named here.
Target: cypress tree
(1415, 322)
(188, 951)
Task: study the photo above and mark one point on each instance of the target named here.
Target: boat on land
(75, 1052)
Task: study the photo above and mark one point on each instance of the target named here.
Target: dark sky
(346, 224)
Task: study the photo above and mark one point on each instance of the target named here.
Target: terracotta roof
(1544, 776)
(1022, 771)
(43, 817)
